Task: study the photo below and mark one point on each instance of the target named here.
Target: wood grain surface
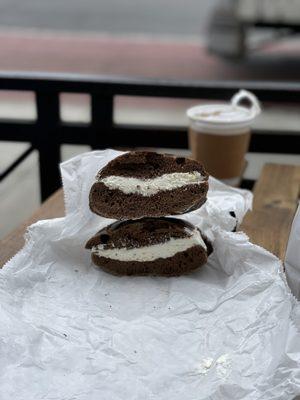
(276, 195)
(53, 207)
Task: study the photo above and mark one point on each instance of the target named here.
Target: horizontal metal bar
(141, 136)
(18, 161)
(17, 130)
(280, 144)
(93, 84)
(123, 135)
(262, 141)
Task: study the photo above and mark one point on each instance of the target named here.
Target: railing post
(102, 120)
(47, 141)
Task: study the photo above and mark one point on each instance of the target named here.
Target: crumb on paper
(205, 365)
(223, 365)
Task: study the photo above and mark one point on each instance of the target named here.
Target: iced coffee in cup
(219, 135)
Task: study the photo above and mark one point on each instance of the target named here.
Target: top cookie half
(145, 184)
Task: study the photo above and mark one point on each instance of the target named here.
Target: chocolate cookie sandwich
(149, 246)
(145, 184)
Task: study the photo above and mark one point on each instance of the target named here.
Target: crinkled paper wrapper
(70, 331)
(292, 257)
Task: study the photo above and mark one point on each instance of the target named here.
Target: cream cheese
(150, 253)
(149, 187)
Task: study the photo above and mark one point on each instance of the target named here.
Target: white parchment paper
(292, 257)
(69, 331)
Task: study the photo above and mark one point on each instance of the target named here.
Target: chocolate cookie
(145, 184)
(149, 246)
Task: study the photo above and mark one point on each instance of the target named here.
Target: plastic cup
(219, 135)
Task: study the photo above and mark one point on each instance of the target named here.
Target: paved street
(136, 56)
(161, 38)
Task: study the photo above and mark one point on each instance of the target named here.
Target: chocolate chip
(104, 238)
(180, 160)
(232, 213)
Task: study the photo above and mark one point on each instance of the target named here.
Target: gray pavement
(167, 17)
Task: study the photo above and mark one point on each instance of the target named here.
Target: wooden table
(276, 195)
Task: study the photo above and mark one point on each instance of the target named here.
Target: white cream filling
(148, 187)
(153, 252)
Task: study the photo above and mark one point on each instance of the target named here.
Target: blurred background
(193, 40)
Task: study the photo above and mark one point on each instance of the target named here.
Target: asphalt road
(167, 17)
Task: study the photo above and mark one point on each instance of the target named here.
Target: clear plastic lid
(225, 117)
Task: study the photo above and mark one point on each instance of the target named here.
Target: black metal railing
(48, 132)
